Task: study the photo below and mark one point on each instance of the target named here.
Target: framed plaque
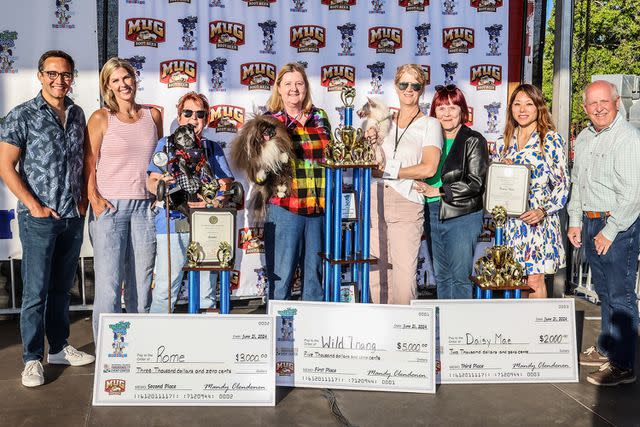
(507, 186)
(209, 228)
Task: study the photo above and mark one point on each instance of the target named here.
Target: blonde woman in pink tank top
(121, 139)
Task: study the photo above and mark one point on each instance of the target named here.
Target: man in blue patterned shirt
(45, 137)
(603, 217)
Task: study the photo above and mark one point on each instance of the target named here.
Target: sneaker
(592, 357)
(33, 374)
(70, 356)
(609, 375)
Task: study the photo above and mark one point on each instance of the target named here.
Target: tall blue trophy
(348, 150)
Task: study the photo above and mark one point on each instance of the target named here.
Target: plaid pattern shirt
(309, 142)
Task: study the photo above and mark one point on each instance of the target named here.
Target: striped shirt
(606, 176)
(309, 142)
(121, 171)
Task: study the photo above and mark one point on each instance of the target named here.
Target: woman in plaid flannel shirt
(294, 224)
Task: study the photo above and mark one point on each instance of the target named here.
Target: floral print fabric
(539, 248)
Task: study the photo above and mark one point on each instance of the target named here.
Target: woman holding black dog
(294, 224)
(193, 109)
(119, 144)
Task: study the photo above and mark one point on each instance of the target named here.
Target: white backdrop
(28, 28)
(231, 50)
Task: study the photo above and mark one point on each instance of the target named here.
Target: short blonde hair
(413, 69)
(275, 102)
(108, 68)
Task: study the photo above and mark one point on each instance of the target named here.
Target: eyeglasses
(53, 75)
(199, 114)
(404, 85)
(448, 88)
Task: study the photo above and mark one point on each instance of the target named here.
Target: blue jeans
(124, 249)
(50, 251)
(452, 243)
(179, 245)
(614, 278)
(289, 240)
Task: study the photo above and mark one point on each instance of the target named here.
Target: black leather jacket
(463, 175)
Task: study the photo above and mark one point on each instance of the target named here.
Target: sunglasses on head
(405, 85)
(199, 114)
(448, 88)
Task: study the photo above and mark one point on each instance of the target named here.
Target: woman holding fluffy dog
(412, 151)
(120, 141)
(294, 224)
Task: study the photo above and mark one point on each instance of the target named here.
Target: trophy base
(505, 291)
(347, 165)
(354, 260)
(208, 266)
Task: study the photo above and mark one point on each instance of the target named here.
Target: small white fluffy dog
(376, 124)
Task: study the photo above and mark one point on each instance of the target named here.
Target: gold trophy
(224, 254)
(195, 254)
(209, 192)
(497, 268)
(348, 146)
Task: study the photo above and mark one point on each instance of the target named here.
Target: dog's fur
(263, 150)
(376, 114)
(189, 165)
(190, 158)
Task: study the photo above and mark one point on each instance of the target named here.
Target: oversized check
(354, 346)
(505, 341)
(185, 360)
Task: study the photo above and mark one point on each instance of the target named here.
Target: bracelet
(544, 211)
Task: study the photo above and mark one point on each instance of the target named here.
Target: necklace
(129, 114)
(403, 132)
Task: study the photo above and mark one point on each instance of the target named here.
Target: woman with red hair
(454, 195)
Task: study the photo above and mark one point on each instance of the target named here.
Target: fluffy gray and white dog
(263, 150)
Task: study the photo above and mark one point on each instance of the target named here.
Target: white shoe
(70, 356)
(33, 374)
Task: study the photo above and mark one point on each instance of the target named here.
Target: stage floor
(65, 399)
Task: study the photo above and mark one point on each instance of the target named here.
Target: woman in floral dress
(530, 139)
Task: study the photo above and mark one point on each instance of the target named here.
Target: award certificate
(185, 360)
(354, 346)
(210, 227)
(505, 341)
(507, 186)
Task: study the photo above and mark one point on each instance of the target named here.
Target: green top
(436, 180)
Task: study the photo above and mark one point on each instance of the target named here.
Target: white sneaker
(33, 374)
(70, 356)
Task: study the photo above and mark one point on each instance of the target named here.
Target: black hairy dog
(188, 165)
